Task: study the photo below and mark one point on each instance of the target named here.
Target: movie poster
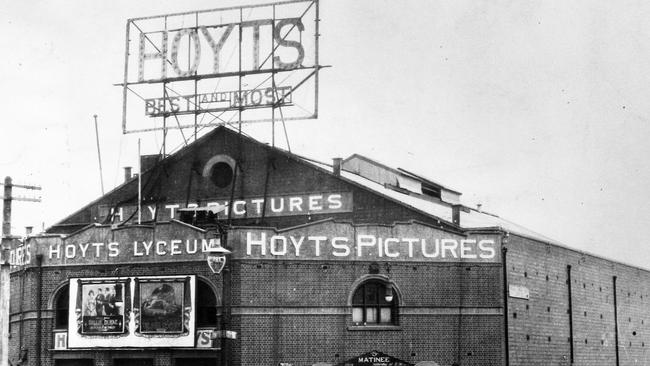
(161, 306)
(102, 310)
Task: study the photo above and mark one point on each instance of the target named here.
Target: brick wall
(539, 332)
(274, 286)
(431, 326)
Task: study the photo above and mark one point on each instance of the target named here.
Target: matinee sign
(376, 358)
(241, 63)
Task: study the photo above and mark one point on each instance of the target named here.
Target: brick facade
(299, 311)
(540, 332)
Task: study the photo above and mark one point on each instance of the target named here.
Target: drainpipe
(226, 295)
(504, 251)
(21, 326)
(616, 321)
(39, 293)
(569, 283)
(4, 305)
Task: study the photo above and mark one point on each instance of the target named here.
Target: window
(206, 305)
(61, 304)
(220, 169)
(221, 175)
(375, 303)
(430, 190)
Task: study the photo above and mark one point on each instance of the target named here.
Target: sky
(537, 110)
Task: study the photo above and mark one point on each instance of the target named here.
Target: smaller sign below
(204, 338)
(216, 263)
(519, 292)
(228, 334)
(60, 340)
(218, 101)
(376, 358)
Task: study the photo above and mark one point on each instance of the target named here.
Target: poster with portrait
(102, 308)
(161, 305)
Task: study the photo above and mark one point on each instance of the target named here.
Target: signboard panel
(375, 358)
(102, 244)
(60, 340)
(18, 253)
(321, 240)
(102, 308)
(520, 292)
(154, 311)
(338, 241)
(204, 338)
(253, 207)
(161, 307)
(225, 65)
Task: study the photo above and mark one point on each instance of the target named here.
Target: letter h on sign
(60, 340)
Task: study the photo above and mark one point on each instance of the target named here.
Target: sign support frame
(311, 6)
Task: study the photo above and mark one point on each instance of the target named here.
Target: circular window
(221, 174)
(220, 169)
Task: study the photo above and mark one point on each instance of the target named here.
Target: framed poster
(100, 306)
(132, 312)
(161, 304)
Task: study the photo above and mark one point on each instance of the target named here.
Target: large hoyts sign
(330, 240)
(237, 63)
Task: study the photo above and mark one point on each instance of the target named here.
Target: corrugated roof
(472, 220)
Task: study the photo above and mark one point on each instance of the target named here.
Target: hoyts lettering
(138, 248)
(365, 246)
(215, 39)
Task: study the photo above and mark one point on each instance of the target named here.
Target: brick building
(353, 263)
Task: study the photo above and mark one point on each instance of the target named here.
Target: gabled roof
(439, 211)
(183, 151)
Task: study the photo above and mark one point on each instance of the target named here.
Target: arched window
(375, 302)
(206, 305)
(61, 304)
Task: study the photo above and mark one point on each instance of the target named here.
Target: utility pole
(99, 155)
(5, 241)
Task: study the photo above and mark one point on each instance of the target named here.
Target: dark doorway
(195, 362)
(74, 362)
(132, 362)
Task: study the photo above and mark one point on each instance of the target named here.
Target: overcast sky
(538, 110)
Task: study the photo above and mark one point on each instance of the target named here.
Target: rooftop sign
(222, 66)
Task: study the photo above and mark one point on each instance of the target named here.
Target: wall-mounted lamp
(217, 257)
(388, 296)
